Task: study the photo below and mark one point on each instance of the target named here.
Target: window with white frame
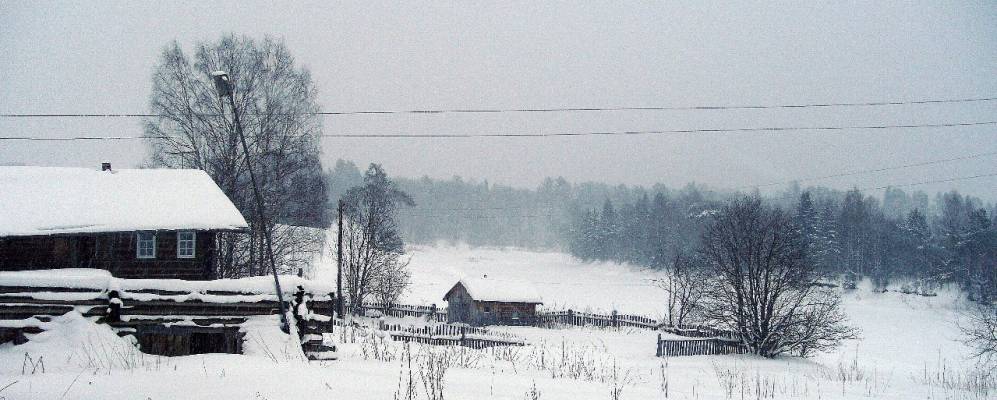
(145, 245)
(186, 243)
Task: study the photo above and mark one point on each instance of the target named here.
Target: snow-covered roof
(509, 291)
(54, 200)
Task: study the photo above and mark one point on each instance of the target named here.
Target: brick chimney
(105, 166)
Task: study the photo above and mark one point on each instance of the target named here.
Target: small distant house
(134, 223)
(484, 301)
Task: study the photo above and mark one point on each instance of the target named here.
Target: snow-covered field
(562, 280)
(909, 349)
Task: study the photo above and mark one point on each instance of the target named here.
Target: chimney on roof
(105, 166)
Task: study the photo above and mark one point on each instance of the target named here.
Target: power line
(547, 110)
(79, 138)
(928, 182)
(869, 171)
(465, 216)
(931, 181)
(669, 131)
(675, 108)
(557, 134)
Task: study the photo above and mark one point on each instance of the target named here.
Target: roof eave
(29, 235)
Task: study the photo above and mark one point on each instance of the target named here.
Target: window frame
(138, 245)
(193, 244)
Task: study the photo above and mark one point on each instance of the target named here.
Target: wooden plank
(28, 300)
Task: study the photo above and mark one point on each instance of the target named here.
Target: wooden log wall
(165, 322)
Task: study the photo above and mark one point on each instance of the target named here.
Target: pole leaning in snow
(339, 262)
(224, 87)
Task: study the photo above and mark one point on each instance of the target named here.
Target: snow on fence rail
(431, 313)
(445, 334)
(569, 317)
(698, 331)
(616, 320)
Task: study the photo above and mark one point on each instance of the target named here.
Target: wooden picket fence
(546, 319)
(451, 335)
(444, 335)
(698, 347)
(451, 331)
(431, 313)
(696, 339)
(698, 331)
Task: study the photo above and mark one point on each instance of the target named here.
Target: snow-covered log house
(134, 250)
(486, 301)
(134, 223)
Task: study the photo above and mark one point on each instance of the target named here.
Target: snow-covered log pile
(54, 284)
(29, 299)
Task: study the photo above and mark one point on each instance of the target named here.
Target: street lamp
(224, 87)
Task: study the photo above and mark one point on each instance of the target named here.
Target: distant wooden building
(484, 301)
(138, 223)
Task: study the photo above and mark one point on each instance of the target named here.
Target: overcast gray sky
(86, 57)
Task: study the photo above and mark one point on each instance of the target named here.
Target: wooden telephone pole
(339, 262)
(224, 88)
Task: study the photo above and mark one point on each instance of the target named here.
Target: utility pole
(339, 262)
(224, 88)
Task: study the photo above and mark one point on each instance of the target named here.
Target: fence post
(113, 306)
(615, 321)
(657, 352)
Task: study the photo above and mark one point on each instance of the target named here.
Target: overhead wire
(548, 110)
(869, 171)
(557, 134)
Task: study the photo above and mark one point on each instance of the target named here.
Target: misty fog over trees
(922, 238)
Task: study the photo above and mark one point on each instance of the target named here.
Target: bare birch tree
(981, 332)
(684, 288)
(276, 101)
(372, 245)
(764, 288)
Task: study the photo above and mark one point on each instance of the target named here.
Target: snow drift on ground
(909, 349)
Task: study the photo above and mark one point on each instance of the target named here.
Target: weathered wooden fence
(431, 313)
(614, 319)
(698, 331)
(443, 334)
(697, 347)
(472, 342)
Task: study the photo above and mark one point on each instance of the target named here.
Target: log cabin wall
(505, 313)
(114, 252)
(461, 307)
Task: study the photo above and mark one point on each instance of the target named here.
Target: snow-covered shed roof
(501, 290)
(55, 200)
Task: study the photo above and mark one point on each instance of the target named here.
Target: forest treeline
(923, 239)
